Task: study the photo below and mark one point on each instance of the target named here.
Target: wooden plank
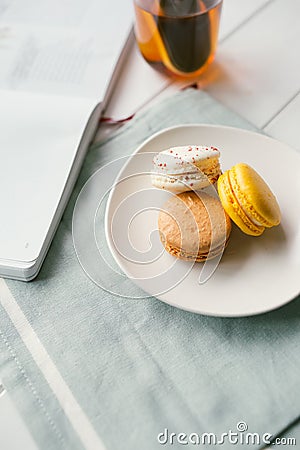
(257, 69)
(138, 83)
(285, 126)
(233, 15)
(14, 434)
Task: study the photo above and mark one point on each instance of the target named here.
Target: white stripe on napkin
(68, 403)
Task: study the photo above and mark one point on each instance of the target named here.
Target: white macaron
(186, 168)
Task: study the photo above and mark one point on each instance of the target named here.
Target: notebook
(58, 65)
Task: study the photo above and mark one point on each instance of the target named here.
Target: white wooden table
(256, 73)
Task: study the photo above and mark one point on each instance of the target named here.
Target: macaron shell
(233, 209)
(186, 168)
(179, 184)
(254, 195)
(199, 257)
(193, 226)
(178, 160)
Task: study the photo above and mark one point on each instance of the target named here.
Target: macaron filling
(246, 203)
(253, 218)
(186, 177)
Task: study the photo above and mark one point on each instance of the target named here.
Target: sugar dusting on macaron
(184, 168)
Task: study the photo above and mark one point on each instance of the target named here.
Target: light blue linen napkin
(81, 363)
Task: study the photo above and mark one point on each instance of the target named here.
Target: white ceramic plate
(255, 274)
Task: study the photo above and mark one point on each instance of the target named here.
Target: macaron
(248, 200)
(194, 226)
(186, 168)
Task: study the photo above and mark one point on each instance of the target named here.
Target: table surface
(256, 73)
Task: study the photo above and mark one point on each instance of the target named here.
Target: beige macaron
(194, 226)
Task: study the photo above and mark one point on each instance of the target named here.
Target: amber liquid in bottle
(178, 36)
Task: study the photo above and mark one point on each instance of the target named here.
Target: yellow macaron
(248, 200)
